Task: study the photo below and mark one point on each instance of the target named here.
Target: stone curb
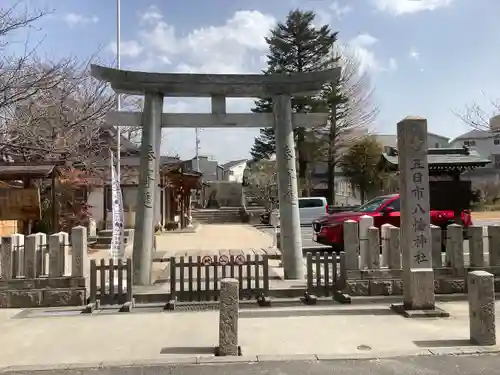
(203, 360)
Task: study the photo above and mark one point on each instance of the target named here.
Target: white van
(310, 208)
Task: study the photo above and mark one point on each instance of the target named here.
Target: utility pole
(118, 98)
(197, 149)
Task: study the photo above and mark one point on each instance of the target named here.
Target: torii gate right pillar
(291, 237)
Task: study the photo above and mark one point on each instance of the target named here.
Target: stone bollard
(351, 244)
(228, 317)
(373, 255)
(481, 293)
(365, 222)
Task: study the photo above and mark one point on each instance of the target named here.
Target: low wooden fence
(198, 278)
(326, 273)
(111, 282)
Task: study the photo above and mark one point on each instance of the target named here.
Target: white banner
(117, 240)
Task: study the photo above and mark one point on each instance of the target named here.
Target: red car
(329, 230)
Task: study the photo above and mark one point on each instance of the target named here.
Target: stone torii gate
(156, 86)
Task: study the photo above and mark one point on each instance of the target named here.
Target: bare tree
(23, 75)
(351, 112)
(261, 183)
(55, 122)
(477, 117)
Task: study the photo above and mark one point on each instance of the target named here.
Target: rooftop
(443, 158)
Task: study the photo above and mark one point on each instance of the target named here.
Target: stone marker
(436, 244)
(365, 222)
(454, 247)
(228, 317)
(476, 248)
(373, 254)
(78, 251)
(481, 293)
(494, 244)
(415, 236)
(394, 251)
(384, 238)
(31, 243)
(351, 244)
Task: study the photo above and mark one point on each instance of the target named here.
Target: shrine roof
(443, 158)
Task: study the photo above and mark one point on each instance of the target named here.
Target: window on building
(471, 142)
(496, 141)
(436, 145)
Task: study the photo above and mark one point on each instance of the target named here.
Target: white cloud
(225, 48)
(130, 48)
(326, 15)
(399, 7)
(74, 19)
(152, 14)
(339, 10)
(361, 47)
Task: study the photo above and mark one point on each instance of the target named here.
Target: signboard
(20, 204)
(117, 240)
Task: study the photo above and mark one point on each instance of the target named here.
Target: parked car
(329, 229)
(310, 208)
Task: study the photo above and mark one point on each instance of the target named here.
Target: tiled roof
(445, 157)
(476, 134)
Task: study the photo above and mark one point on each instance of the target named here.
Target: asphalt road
(485, 364)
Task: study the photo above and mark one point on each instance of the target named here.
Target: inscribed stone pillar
(291, 239)
(79, 251)
(415, 240)
(228, 317)
(144, 223)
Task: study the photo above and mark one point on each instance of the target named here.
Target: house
(344, 194)
(210, 169)
(233, 170)
(486, 143)
(174, 184)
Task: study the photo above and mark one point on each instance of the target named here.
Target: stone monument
(415, 232)
(156, 86)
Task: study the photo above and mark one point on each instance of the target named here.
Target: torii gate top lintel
(209, 85)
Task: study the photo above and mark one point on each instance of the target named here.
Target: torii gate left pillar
(218, 87)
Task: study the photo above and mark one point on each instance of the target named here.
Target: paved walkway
(319, 332)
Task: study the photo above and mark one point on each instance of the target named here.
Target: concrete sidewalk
(38, 338)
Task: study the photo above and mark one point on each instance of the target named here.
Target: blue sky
(426, 58)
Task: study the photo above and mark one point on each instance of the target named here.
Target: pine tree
(294, 46)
